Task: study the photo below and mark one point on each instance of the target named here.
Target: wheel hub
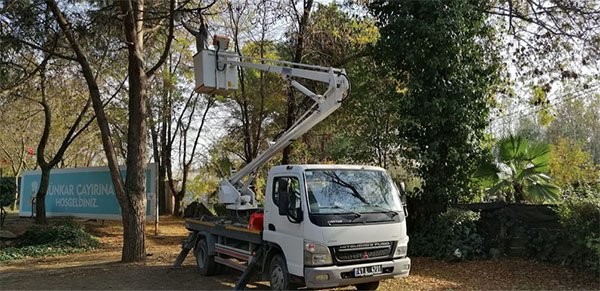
(200, 258)
(277, 278)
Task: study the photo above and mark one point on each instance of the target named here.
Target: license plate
(368, 271)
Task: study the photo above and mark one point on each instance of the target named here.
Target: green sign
(82, 192)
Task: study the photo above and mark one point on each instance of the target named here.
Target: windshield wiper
(356, 214)
(391, 213)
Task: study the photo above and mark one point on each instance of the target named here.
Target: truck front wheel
(368, 286)
(278, 273)
(206, 263)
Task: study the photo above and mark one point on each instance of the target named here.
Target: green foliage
(530, 129)
(565, 234)
(16, 253)
(256, 108)
(7, 191)
(542, 244)
(580, 218)
(570, 165)
(578, 121)
(582, 191)
(540, 100)
(62, 238)
(363, 131)
(450, 236)
(201, 187)
(336, 37)
(401, 175)
(360, 131)
(64, 234)
(520, 171)
(438, 52)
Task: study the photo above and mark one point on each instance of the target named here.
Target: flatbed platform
(225, 227)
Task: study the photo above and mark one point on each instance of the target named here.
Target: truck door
(278, 228)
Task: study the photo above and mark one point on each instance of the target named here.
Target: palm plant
(520, 171)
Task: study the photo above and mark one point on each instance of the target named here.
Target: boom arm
(235, 192)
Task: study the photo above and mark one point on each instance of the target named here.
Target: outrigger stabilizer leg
(251, 269)
(185, 249)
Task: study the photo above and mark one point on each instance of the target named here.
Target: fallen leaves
(98, 269)
(502, 274)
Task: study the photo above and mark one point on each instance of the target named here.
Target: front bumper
(333, 276)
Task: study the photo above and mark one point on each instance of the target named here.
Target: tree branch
(95, 96)
(167, 48)
(50, 52)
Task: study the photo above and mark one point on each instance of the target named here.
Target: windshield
(350, 191)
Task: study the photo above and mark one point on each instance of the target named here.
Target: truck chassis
(223, 241)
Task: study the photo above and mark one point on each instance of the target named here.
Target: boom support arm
(235, 192)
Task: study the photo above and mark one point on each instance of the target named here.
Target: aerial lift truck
(320, 226)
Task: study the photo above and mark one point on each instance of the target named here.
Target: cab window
(286, 186)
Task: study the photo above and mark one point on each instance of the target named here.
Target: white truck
(321, 225)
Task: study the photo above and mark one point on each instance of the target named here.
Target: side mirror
(287, 206)
(283, 203)
(404, 205)
(402, 189)
(294, 213)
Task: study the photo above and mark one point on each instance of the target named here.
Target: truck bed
(224, 226)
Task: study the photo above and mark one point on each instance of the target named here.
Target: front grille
(367, 251)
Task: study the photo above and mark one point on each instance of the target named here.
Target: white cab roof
(297, 168)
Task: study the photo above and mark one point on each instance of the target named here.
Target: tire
(367, 286)
(206, 263)
(279, 278)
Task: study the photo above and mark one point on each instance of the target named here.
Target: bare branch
(167, 48)
(94, 95)
(50, 52)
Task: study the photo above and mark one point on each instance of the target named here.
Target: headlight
(400, 251)
(316, 254)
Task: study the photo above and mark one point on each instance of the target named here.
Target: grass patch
(59, 239)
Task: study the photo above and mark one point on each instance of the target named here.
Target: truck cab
(334, 225)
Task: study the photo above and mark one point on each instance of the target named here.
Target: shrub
(450, 236)
(63, 234)
(15, 253)
(580, 217)
(7, 191)
(61, 238)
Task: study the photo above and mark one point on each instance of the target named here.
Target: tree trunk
(134, 208)
(162, 196)
(40, 197)
(161, 170)
(132, 194)
(518, 195)
(178, 198)
(169, 182)
(46, 166)
(289, 121)
(291, 101)
(134, 248)
(14, 204)
(165, 152)
(186, 170)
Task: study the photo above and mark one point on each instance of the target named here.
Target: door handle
(271, 227)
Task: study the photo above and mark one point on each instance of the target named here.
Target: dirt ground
(100, 268)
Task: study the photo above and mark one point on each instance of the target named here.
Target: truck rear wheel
(278, 273)
(206, 263)
(368, 286)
